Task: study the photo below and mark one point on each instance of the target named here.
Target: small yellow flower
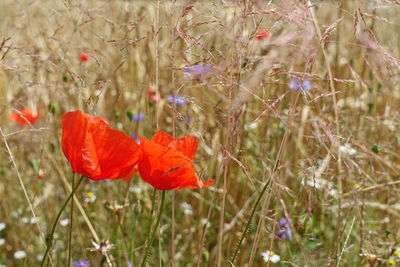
(89, 194)
(391, 262)
(274, 125)
(396, 253)
(357, 186)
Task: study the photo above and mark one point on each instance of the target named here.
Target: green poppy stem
(249, 221)
(49, 238)
(154, 230)
(70, 222)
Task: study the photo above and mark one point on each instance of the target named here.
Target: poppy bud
(53, 108)
(130, 114)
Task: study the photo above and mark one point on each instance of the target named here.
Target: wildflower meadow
(200, 133)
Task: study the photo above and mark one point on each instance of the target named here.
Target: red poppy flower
(94, 149)
(24, 117)
(166, 163)
(153, 96)
(83, 57)
(263, 34)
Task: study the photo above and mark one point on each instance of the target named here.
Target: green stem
(151, 216)
(249, 221)
(133, 224)
(154, 230)
(70, 222)
(49, 238)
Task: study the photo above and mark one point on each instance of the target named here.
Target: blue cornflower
(138, 117)
(295, 85)
(136, 138)
(81, 263)
(307, 85)
(284, 231)
(197, 69)
(179, 101)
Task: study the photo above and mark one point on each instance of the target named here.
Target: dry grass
(251, 128)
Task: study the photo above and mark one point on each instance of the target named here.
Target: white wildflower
(2, 226)
(39, 257)
(2, 241)
(20, 254)
(103, 247)
(90, 194)
(35, 220)
(396, 252)
(25, 220)
(270, 256)
(347, 149)
(64, 222)
(187, 208)
(253, 125)
(205, 221)
(333, 193)
(315, 182)
(135, 189)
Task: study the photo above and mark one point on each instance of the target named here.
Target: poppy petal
(24, 117)
(187, 145)
(162, 138)
(73, 140)
(95, 150)
(166, 168)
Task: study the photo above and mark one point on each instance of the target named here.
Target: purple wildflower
(307, 85)
(81, 263)
(178, 100)
(197, 69)
(138, 117)
(196, 72)
(295, 85)
(284, 231)
(136, 137)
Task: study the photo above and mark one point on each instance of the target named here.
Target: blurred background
(301, 95)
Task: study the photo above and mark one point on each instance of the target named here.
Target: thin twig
(345, 242)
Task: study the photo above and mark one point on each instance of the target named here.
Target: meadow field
(295, 106)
